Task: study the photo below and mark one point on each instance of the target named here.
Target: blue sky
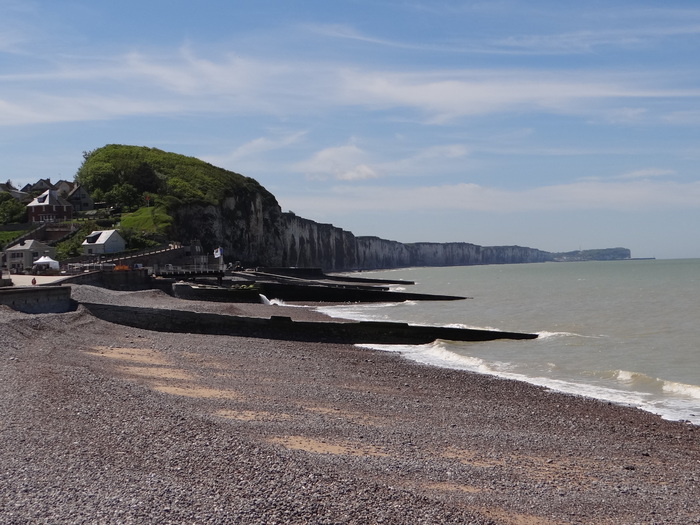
(555, 125)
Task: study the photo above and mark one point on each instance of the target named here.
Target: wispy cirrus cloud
(446, 95)
(588, 41)
(185, 82)
(647, 173)
(257, 148)
(651, 26)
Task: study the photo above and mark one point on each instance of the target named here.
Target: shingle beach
(101, 423)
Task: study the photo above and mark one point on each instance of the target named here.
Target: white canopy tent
(48, 261)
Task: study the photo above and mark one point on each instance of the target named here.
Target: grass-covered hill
(130, 177)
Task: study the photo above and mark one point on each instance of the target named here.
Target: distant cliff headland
(185, 199)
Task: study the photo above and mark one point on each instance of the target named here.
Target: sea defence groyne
(277, 327)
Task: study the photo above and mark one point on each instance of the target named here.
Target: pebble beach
(101, 423)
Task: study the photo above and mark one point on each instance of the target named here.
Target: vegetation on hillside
(11, 210)
(131, 176)
(72, 247)
(7, 236)
(151, 219)
(603, 254)
(148, 185)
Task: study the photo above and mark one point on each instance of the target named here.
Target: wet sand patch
(154, 372)
(471, 458)
(196, 391)
(448, 486)
(252, 415)
(514, 518)
(317, 446)
(360, 418)
(135, 355)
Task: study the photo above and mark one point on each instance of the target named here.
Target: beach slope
(101, 423)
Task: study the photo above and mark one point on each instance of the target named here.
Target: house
(103, 241)
(49, 207)
(63, 187)
(80, 199)
(22, 255)
(16, 194)
(38, 187)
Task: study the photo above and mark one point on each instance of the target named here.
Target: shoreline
(108, 423)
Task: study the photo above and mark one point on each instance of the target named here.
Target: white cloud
(684, 117)
(358, 172)
(647, 173)
(444, 158)
(256, 148)
(341, 163)
(587, 195)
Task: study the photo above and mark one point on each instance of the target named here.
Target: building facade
(49, 207)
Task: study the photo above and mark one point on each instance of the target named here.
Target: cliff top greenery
(133, 176)
(603, 254)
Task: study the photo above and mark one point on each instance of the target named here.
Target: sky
(554, 125)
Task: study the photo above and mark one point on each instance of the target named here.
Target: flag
(219, 252)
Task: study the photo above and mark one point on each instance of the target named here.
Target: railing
(186, 269)
(142, 253)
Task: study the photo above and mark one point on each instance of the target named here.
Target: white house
(104, 241)
(22, 255)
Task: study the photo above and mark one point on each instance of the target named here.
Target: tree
(123, 196)
(11, 211)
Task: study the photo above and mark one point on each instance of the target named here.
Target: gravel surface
(101, 423)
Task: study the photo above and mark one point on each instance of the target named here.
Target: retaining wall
(114, 280)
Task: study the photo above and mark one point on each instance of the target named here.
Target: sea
(626, 332)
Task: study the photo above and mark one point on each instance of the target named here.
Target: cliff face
(218, 207)
(378, 253)
(252, 231)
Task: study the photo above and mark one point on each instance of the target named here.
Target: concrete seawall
(38, 299)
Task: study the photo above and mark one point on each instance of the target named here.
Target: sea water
(622, 331)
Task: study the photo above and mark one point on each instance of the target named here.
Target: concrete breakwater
(277, 327)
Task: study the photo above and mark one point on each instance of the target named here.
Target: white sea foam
(626, 376)
(690, 391)
(467, 326)
(357, 312)
(439, 354)
(546, 335)
(436, 354)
